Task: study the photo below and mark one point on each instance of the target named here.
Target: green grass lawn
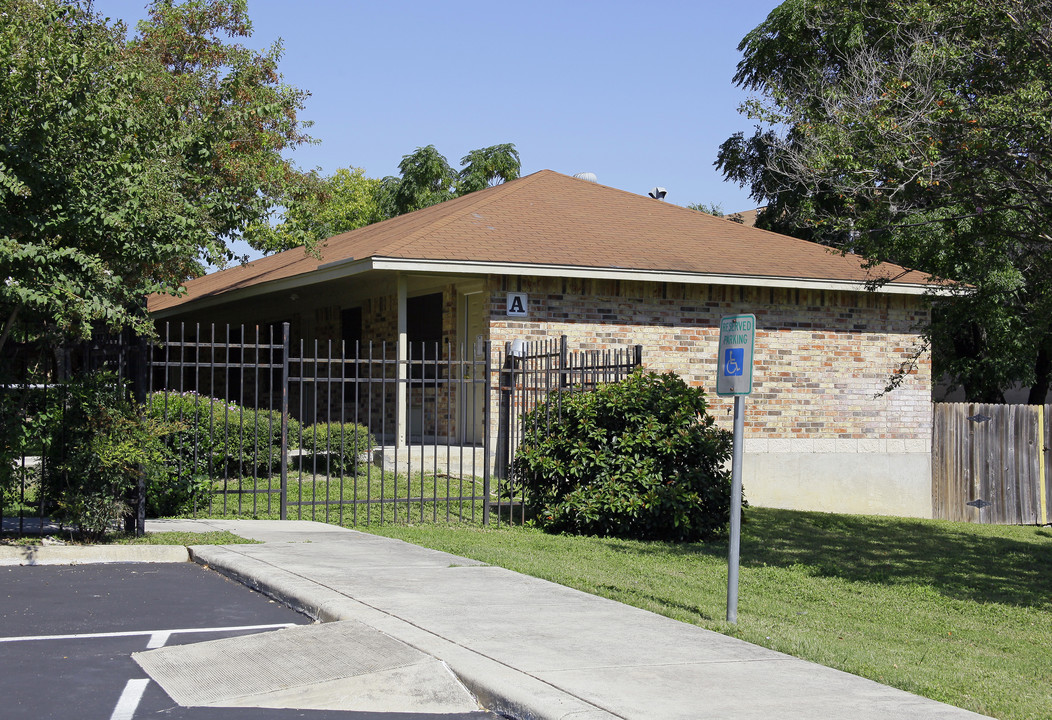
(217, 537)
(364, 498)
(214, 537)
(956, 612)
(369, 498)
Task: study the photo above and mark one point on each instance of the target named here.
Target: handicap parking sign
(734, 361)
(737, 338)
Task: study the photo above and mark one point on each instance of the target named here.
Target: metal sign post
(734, 378)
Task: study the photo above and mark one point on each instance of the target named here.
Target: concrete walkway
(528, 648)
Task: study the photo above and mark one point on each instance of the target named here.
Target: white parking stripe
(133, 633)
(158, 639)
(129, 701)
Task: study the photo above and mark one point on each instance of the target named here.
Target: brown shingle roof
(748, 217)
(551, 219)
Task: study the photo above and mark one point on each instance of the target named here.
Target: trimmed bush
(179, 493)
(338, 447)
(640, 459)
(220, 438)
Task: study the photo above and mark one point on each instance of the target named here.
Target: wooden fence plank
(1044, 435)
(994, 454)
(939, 460)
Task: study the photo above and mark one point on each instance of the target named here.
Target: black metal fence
(350, 435)
(541, 373)
(32, 380)
(259, 426)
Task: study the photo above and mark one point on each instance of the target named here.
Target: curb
(499, 688)
(89, 554)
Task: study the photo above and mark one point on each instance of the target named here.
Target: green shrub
(338, 447)
(219, 438)
(26, 414)
(98, 446)
(179, 493)
(635, 459)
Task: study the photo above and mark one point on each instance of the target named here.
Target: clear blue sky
(638, 93)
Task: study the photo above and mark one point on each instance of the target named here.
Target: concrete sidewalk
(533, 649)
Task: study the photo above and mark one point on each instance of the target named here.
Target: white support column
(402, 394)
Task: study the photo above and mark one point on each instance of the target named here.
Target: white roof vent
(587, 177)
(658, 193)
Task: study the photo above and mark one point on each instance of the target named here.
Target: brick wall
(821, 356)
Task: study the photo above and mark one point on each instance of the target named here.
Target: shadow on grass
(979, 563)
(957, 560)
(642, 599)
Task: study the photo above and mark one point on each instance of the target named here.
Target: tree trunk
(9, 325)
(1042, 374)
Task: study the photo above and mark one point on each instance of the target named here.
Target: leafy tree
(427, 178)
(917, 131)
(716, 210)
(124, 164)
(347, 200)
(488, 166)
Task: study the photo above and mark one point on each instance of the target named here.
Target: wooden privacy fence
(990, 463)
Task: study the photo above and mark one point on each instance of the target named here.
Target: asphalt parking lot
(67, 634)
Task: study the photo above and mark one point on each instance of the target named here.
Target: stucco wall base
(857, 483)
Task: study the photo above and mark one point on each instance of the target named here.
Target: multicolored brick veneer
(822, 356)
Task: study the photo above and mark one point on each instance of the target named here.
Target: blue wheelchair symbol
(734, 361)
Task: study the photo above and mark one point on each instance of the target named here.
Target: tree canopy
(427, 178)
(918, 132)
(716, 210)
(125, 164)
(348, 199)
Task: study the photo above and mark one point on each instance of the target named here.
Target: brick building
(550, 255)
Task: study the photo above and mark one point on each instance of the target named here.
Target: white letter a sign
(517, 303)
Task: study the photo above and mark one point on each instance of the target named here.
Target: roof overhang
(351, 267)
(613, 273)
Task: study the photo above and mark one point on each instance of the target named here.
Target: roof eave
(332, 271)
(447, 267)
(349, 268)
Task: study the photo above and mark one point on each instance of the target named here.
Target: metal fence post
(486, 412)
(283, 511)
(132, 351)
